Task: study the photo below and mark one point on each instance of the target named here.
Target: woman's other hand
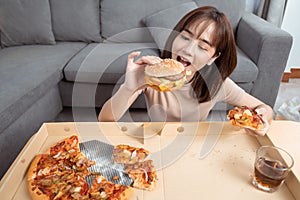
(265, 114)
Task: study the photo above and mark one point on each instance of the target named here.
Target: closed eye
(202, 48)
(184, 37)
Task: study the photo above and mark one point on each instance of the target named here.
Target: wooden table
(206, 160)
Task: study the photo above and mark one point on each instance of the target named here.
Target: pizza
(245, 117)
(140, 170)
(143, 174)
(48, 179)
(61, 173)
(128, 154)
(104, 189)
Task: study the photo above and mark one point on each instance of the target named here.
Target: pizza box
(285, 134)
(211, 160)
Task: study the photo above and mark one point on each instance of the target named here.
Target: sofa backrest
(124, 16)
(122, 21)
(94, 20)
(232, 8)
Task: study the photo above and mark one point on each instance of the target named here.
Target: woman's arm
(119, 103)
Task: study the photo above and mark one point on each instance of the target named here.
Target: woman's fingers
(261, 111)
(148, 60)
(259, 132)
(132, 56)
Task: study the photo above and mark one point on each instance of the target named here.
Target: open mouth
(182, 61)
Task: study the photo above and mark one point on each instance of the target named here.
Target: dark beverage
(272, 165)
(269, 173)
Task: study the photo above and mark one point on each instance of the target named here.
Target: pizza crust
(34, 192)
(249, 127)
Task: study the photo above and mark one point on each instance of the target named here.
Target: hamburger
(165, 76)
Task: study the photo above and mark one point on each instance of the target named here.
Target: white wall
(290, 24)
(251, 5)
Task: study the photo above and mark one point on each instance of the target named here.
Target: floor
(287, 91)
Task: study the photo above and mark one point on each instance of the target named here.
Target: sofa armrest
(268, 46)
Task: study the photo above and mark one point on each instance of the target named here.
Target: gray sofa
(72, 53)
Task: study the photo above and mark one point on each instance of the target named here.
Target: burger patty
(176, 76)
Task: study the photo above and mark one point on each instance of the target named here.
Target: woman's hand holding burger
(135, 71)
(160, 74)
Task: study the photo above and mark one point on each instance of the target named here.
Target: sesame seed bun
(167, 67)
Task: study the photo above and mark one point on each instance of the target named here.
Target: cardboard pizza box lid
(184, 171)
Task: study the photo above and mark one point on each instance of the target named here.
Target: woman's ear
(211, 60)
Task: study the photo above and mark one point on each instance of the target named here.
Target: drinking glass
(272, 165)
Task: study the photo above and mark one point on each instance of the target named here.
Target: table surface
(207, 160)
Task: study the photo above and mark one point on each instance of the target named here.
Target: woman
(203, 42)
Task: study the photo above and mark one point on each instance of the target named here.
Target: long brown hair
(208, 80)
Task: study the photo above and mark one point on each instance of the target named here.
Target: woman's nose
(189, 47)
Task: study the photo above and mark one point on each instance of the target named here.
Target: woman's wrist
(131, 89)
(125, 88)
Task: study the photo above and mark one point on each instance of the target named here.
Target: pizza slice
(102, 189)
(128, 154)
(68, 152)
(64, 149)
(143, 174)
(46, 180)
(245, 117)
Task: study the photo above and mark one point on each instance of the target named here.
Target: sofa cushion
(104, 62)
(76, 20)
(126, 17)
(27, 72)
(161, 24)
(232, 8)
(91, 95)
(246, 70)
(15, 136)
(25, 22)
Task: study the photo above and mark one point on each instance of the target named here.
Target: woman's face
(192, 51)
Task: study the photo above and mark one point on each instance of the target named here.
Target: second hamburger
(165, 76)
